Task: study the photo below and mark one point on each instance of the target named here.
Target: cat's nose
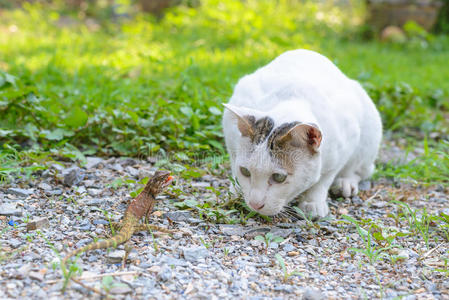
(256, 205)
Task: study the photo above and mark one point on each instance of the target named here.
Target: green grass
(142, 86)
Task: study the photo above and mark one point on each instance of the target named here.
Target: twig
(373, 196)
(88, 287)
(431, 251)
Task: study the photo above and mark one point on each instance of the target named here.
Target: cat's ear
(303, 134)
(244, 123)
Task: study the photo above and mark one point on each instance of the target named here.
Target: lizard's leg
(128, 249)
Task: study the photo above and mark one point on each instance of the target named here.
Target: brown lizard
(141, 206)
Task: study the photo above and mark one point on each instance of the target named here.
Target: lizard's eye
(245, 172)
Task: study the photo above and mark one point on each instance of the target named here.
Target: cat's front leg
(313, 202)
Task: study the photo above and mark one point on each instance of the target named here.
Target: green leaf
(7, 78)
(76, 117)
(278, 239)
(186, 111)
(6, 133)
(56, 135)
(280, 261)
(378, 236)
(216, 144)
(259, 238)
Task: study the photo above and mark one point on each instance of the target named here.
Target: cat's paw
(315, 209)
(346, 186)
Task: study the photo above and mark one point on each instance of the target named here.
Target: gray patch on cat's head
(261, 128)
(279, 149)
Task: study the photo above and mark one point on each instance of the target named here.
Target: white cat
(296, 127)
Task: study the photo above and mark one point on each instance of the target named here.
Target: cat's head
(274, 164)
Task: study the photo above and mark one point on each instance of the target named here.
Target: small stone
(165, 273)
(20, 192)
(73, 176)
(132, 171)
(293, 253)
(284, 288)
(115, 256)
(288, 247)
(15, 243)
(81, 190)
(58, 167)
(85, 225)
(44, 186)
(356, 200)
(100, 222)
(116, 167)
(9, 209)
(273, 245)
(92, 258)
(24, 270)
(230, 230)
(171, 261)
(127, 162)
(282, 232)
(178, 216)
(364, 185)
(92, 162)
(94, 192)
(37, 276)
(120, 289)
(194, 254)
(312, 294)
(94, 202)
(403, 254)
(343, 211)
(55, 192)
(154, 269)
(37, 223)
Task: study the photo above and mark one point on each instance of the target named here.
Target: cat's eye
(279, 178)
(245, 172)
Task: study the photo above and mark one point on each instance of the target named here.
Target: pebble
(194, 254)
(116, 167)
(115, 256)
(120, 289)
(94, 192)
(15, 243)
(37, 276)
(44, 186)
(132, 171)
(73, 176)
(312, 294)
(364, 185)
(178, 216)
(403, 254)
(20, 192)
(10, 209)
(165, 273)
(38, 223)
(55, 192)
(100, 222)
(92, 162)
(288, 247)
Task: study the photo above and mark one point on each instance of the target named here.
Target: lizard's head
(160, 180)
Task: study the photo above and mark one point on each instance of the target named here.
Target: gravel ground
(66, 207)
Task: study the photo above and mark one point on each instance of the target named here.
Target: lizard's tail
(125, 234)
